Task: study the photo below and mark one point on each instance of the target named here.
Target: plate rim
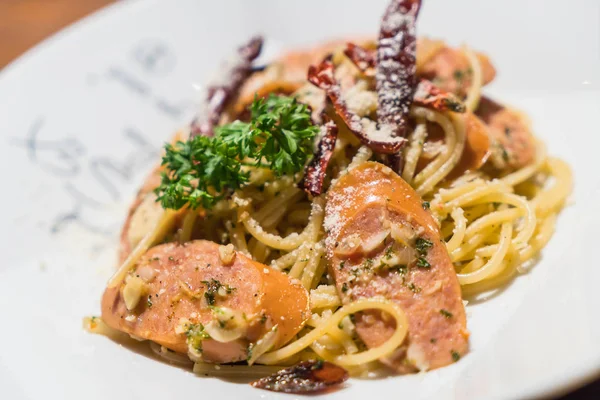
(588, 371)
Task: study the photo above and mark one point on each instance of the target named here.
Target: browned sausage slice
(206, 300)
(512, 142)
(476, 152)
(381, 242)
(450, 70)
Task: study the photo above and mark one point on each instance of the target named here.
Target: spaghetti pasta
(493, 221)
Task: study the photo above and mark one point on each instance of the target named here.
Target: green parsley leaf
(423, 245)
(423, 263)
(202, 170)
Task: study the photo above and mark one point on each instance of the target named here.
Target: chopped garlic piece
(348, 246)
(402, 234)
(182, 326)
(227, 325)
(134, 289)
(418, 357)
(227, 254)
(146, 272)
(263, 345)
(374, 241)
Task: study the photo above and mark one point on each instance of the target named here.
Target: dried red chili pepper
(364, 59)
(303, 378)
(426, 93)
(377, 139)
(314, 173)
(396, 64)
(219, 93)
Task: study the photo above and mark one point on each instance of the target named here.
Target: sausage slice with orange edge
(381, 242)
(206, 300)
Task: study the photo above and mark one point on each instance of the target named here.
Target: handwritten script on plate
(99, 205)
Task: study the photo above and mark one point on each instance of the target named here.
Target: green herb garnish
(212, 289)
(195, 334)
(402, 269)
(414, 288)
(389, 253)
(423, 263)
(446, 313)
(455, 356)
(202, 170)
(423, 245)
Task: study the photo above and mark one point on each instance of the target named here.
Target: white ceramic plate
(82, 118)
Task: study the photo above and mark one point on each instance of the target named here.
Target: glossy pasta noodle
(494, 216)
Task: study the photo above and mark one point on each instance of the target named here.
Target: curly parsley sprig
(200, 171)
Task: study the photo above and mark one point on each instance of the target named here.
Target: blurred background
(25, 23)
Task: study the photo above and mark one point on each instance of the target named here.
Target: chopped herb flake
(414, 288)
(389, 252)
(212, 289)
(402, 269)
(423, 263)
(423, 246)
(455, 355)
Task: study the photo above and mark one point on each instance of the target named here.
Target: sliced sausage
(513, 143)
(204, 298)
(382, 242)
(450, 70)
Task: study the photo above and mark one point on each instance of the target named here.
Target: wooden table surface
(24, 23)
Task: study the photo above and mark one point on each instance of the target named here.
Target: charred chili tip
(307, 377)
(321, 75)
(362, 58)
(328, 57)
(252, 48)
